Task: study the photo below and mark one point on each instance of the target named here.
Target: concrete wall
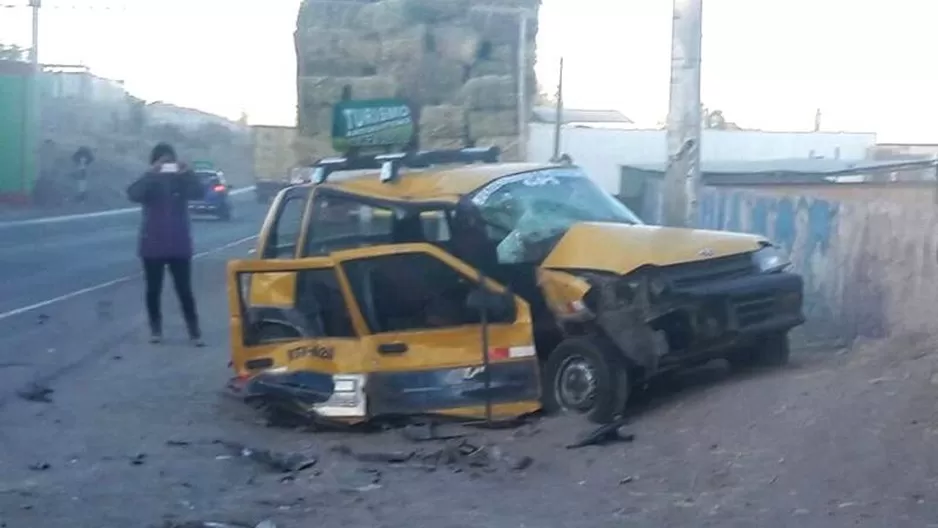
(868, 253)
(602, 151)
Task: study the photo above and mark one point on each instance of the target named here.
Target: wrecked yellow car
(445, 282)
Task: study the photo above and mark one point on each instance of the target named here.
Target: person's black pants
(181, 271)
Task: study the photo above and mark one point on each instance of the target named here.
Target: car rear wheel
(770, 350)
(583, 376)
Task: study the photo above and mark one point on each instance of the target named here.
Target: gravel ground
(139, 436)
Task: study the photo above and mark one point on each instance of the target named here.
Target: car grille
(692, 274)
(753, 309)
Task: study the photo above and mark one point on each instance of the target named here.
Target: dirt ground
(141, 436)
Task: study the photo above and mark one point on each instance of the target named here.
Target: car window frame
(448, 209)
(291, 194)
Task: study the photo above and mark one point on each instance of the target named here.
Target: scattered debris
(427, 432)
(42, 319)
(211, 524)
(627, 480)
(40, 466)
(522, 463)
(138, 459)
(278, 462)
(36, 392)
(606, 434)
(178, 443)
(387, 457)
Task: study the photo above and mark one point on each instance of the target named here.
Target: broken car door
(296, 340)
(424, 311)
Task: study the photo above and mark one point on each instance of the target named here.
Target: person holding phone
(165, 239)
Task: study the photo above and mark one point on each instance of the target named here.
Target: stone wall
(455, 61)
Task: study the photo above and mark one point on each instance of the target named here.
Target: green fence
(17, 165)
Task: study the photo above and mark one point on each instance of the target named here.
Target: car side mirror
(498, 306)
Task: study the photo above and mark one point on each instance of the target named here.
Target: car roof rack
(391, 164)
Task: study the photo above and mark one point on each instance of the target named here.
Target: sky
(769, 64)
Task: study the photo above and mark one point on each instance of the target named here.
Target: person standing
(165, 239)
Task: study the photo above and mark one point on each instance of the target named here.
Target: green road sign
(372, 123)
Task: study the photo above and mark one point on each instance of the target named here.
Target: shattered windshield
(526, 213)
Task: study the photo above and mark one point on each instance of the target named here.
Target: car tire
(586, 360)
(771, 350)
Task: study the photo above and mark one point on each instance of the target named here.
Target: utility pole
(558, 121)
(523, 18)
(34, 127)
(682, 179)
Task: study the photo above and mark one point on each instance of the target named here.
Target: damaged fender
(619, 307)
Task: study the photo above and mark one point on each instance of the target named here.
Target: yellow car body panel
(561, 291)
(623, 248)
(435, 359)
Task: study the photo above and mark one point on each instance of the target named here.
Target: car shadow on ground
(682, 385)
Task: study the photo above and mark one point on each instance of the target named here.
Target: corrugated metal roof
(824, 166)
(548, 114)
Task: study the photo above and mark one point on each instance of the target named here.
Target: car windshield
(526, 210)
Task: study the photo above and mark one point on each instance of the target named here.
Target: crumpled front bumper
(312, 396)
(727, 314)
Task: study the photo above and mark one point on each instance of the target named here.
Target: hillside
(121, 136)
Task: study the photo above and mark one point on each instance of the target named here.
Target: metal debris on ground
(40, 466)
(212, 524)
(605, 434)
(428, 432)
(36, 392)
(458, 455)
(277, 462)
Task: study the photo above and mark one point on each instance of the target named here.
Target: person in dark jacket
(165, 235)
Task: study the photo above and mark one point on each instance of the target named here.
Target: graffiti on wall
(809, 231)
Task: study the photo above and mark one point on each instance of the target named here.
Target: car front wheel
(583, 376)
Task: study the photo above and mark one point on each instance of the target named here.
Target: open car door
(384, 330)
(295, 343)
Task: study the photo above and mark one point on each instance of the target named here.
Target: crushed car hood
(622, 248)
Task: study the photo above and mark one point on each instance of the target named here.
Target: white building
(603, 151)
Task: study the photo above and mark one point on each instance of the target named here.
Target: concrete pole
(33, 115)
(523, 19)
(558, 125)
(682, 179)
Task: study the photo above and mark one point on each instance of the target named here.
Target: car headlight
(771, 259)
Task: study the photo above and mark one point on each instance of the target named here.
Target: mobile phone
(169, 167)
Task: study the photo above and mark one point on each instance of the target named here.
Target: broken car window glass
(526, 213)
(294, 305)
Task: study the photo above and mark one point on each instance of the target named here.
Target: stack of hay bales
(455, 61)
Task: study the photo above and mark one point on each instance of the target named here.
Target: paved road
(44, 261)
